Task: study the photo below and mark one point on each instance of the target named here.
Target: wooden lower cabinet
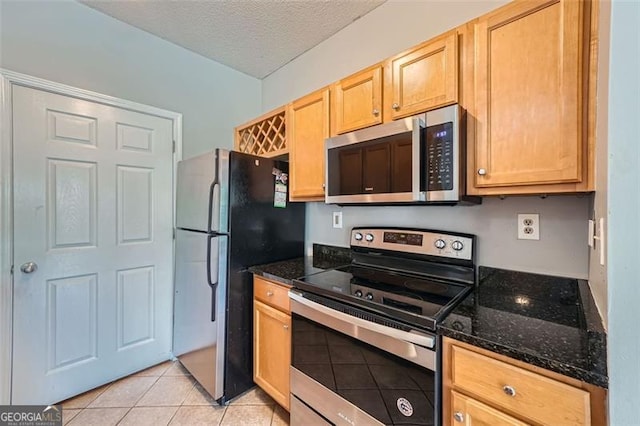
(271, 345)
(484, 388)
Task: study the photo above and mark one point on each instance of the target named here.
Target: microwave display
(440, 168)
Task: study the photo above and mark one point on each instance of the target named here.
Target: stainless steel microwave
(418, 159)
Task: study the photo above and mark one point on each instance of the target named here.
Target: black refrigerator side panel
(259, 233)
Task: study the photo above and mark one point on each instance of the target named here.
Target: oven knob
(368, 237)
(358, 293)
(357, 236)
(369, 296)
(440, 244)
(457, 245)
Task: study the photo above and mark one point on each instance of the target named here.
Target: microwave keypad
(440, 157)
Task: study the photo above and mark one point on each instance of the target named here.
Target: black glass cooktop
(409, 298)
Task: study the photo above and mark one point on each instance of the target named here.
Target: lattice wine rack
(264, 136)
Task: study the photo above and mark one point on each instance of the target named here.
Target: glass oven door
(353, 371)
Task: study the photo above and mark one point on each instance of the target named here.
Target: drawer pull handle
(458, 417)
(509, 390)
(269, 293)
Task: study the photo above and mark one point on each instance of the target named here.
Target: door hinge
(174, 233)
(11, 269)
(174, 147)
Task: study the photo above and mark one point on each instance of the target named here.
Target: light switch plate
(337, 219)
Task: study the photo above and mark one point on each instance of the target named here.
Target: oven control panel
(432, 243)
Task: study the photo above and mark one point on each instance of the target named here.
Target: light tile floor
(167, 395)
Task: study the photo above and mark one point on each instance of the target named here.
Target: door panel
(93, 209)
(71, 213)
(135, 306)
(72, 307)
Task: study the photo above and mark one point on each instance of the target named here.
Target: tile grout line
(141, 396)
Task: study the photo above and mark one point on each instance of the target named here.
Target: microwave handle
(418, 124)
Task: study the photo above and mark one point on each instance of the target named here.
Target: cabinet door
(424, 78)
(357, 101)
(272, 352)
(528, 75)
(469, 412)
(307, 128)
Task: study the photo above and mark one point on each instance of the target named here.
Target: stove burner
(417, 287)
(428, 286)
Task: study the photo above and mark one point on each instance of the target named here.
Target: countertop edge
(535, 360)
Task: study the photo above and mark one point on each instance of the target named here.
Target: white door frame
(7, 80)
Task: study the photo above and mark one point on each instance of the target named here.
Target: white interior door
(93, 210)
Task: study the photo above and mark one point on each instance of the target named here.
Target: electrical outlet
(528, 227)
(337, 219)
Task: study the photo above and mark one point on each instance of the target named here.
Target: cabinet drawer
(271, 293)
(471, 412)
(527, 394)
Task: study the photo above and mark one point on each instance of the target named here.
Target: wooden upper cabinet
(529, 109)
(357, 101)
(307, 128)
(423, 78)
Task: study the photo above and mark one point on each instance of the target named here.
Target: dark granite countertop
(324, 257)
(550, 322)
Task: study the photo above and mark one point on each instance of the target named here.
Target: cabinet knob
(395, 106)
(458, 417)
(375, 111)
(482, 172)
(269, 293)
(509, 390)
(286, 327)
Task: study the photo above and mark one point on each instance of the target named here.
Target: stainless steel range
(364, 347)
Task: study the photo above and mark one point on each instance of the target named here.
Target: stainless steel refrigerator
(232, 212)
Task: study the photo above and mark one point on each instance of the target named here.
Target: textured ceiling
(253, 36)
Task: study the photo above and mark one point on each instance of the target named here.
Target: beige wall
(389, 29)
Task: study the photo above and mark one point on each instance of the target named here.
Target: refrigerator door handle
(212, 284)
(214, 201)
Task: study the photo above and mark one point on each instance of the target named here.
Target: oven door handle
(415, 337)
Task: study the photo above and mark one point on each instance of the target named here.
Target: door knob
(458, 417)
(395, 106)
(376, 111)
(482, 172)
(29, 267)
